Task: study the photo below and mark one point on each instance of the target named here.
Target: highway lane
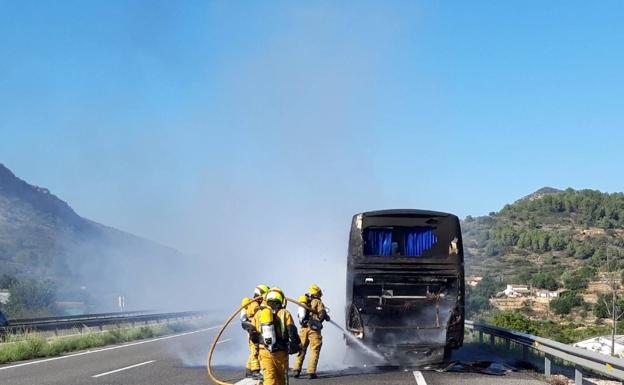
(407, 377)
(180, 360)
(167, 354)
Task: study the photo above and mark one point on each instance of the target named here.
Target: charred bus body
(405, 284)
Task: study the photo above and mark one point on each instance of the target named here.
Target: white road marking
(119, 370)
(420, 379)
(109, 348)
(224, 341)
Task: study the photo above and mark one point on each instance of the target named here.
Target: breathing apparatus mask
(274, 305)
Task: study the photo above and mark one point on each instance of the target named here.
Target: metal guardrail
(94, 320)
(579, 358)
(24, 321)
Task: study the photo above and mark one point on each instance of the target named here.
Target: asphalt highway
(180, 360)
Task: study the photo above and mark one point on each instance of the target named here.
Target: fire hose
(211, 373)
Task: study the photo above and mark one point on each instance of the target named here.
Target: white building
(514, 291)
(548, 293)
(4, 296)
(603, 345)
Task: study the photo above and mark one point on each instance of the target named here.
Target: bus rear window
(398, 241)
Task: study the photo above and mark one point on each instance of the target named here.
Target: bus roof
(404, 212)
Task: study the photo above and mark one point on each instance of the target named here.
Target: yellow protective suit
(311, 338)
(314, 340)
(253, 362)
(274, 367)
(275, 364)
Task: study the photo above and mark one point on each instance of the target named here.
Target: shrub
(513, 320)
(565, 303)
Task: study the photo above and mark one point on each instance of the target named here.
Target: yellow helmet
(276, 296)
(281, 293)
(245, 301)
(303, 299)
(260, 290)
(316, 291)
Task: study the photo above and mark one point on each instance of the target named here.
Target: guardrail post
(578, 376)
(492, 339)
(480, 337)
(546, 365)
(508, 344)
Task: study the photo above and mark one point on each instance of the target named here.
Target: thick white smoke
(286, 163)
(265, 242)
(277, 207)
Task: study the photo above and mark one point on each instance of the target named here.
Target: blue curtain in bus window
(378, 242)
(417, 241)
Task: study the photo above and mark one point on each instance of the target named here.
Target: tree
(30, 297)
(545, 280)
(482, 238)
(574, 280)
(604, 306)
(513, 320)
(559, 242)
(493, 248)
(505, 235)
(478, 298)
(565, 303)
(582, 250)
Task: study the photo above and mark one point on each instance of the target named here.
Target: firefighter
(277, 336)
(310, 334)
(252, 367)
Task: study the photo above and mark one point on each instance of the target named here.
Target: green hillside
(550, 230)
(549, 240)
(46, 247)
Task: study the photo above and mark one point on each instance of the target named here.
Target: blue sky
(169, 118)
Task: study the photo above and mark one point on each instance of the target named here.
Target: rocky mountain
(42, 237)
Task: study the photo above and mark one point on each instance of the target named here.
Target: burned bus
(405, 284)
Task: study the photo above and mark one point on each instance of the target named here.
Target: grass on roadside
(34, 345)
